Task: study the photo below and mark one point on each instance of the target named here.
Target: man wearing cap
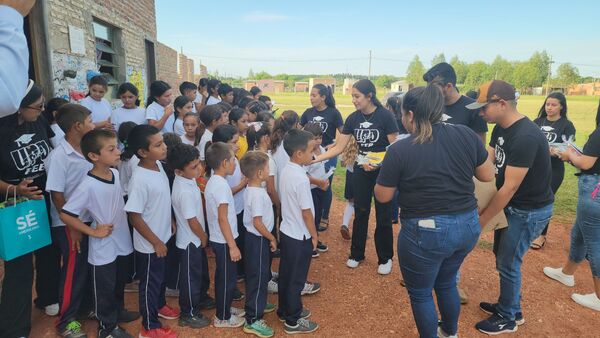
(523, 175)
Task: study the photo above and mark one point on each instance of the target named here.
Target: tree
(262, 75)
(567, 74)
(439, 58)
(540, 61)
(479, 73)
(384, 81)
(415, 71)
(461, 69)
(501, 69)
(525, 76)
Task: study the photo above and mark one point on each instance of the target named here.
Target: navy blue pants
(293, 272)
(205, 278)
(190, 279)
(108, 285)
(258, 273)
(241, 273)
(225, 280)
(172, 265)
(151, 270)
(319, 198)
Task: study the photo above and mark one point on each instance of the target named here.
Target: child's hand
(273, 244)
(235, 254)
(103, 230)
(169, 110)
(324, 185)
(160, 248)
(315, 240)
(75, 240)
(243, 182)
(203, 240)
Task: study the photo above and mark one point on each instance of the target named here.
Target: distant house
(328, 81)
(347, 87)
(300, 86)
(401, 86)
(589, 89)
(266, 85)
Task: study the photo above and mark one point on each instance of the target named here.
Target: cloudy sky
(324, 37)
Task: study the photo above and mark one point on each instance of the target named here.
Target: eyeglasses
(39, 108)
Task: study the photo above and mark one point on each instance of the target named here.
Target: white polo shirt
(101, 110)
(120, 115)
(281, 159)
(155, 112)
(258, 203)
(66, 168)
(212, 100)
(187, 204)
(126, 169)
(103, 200)
(59, 135)
(149, 195)
(295, 197)
(234, 180)
(316, 170)
(218, 192)
(178, 127)
(206, 137)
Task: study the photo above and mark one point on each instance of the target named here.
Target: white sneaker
(385, 269)
(273, 286)
(234, 321)
(558, 275)
(51, 310)
(310, 288)
(352, 264)
(237, 311)
(590, 301)
(442, 334)
(274, 274)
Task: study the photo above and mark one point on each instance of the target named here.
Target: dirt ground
(361, 303)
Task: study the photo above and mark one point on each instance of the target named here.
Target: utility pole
(370, 57)
(549, 76)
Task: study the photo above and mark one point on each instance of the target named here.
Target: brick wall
(166, 65)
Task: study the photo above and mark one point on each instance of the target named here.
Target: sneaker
(259, 328)
(274, 274)
(315, 254)
(269, 308)
(304, 314)
(73, 330)
(161, 332)
(171, 292)
(590, 301)
(497, 324)
(352, 264)
(558, 275)
(321, 247)
(207, 303)
(273, 286)
(133, 286)
(345, 232)
(321, 228)
(491, 308)
(310, 288)
(238, 295)
(237, 311)
(233, 321)
(117, 332)
(127, 316)
(464, 299)
(302, 326)
(442, 334)
(51, 310)
(168, 312)
(195, 322)
(385, 269)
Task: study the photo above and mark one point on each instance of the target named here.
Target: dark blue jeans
(328, 196)
(585, 235)
(513, 242)
(430, 252)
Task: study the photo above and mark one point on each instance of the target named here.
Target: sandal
(536, 245)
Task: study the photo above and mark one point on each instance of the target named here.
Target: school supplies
(371, 158)
(484, 192)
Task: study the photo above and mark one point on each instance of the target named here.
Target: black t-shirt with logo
(592, 148)
(434, 178)
(457, 113)
(23, 149)
(330, 119)
(558, 131)
(523, 145)
(371, 131)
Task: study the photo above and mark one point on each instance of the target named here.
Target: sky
(328, 37)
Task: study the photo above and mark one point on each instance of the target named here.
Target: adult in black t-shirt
(552, 120)
(24, 144)
(433, 172)
(374, 128)
(324, 113)
(585, 235)
(523, 176)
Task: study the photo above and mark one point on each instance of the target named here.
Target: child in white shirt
(159, 108)
(182, 105)
(130, 111)
(97, 104)
(211, 117)
(50, 114)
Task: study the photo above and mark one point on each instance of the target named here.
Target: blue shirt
(14, 67)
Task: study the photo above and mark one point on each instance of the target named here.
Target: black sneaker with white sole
(238, 295)
(315, 254)
(491, 308)
(497, 324)
(322, 247)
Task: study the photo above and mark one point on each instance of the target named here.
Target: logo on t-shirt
(24, 139)
(25, 158)
(446, 117)
(365, 136)
(499, 154)
(319, 120)
(549, 133)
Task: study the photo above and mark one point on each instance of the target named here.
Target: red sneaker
(161, 332)
(168, 312)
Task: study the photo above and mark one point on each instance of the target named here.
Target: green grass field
(582, 111)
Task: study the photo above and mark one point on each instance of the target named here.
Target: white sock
(348, 212)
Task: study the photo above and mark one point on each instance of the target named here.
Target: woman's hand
(368, 167)
(30, 192)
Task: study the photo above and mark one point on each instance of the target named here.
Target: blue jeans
(585, 235)
(328, 196)
(513, 242)
(429, 259)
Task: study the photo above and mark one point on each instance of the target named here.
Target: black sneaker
(127, 316)
(321, 247)
(315, 254)
(207, 303)
(117, 332)
(195, 322)
(497, 324)
(490, 308)
(238, 295)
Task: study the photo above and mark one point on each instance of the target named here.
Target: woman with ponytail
(433, 170)
(324, 113)
(159, 107)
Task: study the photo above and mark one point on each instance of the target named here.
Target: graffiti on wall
(72, 86)
(138, 79)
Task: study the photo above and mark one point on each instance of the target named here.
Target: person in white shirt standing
(159, 107)
(131, 110)
(213, 91)
(99, 194)
(97, 104)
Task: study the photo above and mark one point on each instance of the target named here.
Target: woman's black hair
(224, 133)
(256, 107)
(287, 121)
(211, 113)
(367, 87)
(225, 106)
(427, 105)
(32, 95)
(235, 115)
(213, 86)
(98, 80)
(394, 104)
(255, 90)
(244, 102)
(561, 99)
(123, 134)
(51, 106)
(224, 88)
(327, 92)
(138, 139)
(129, 87)
(157, 88)
(264, 98)
(203, 82)
(239, 94)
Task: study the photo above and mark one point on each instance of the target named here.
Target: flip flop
(537, 246)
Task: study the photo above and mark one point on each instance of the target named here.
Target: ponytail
(327, 92)
(427, 106)
(287, 121)
(157, 88)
